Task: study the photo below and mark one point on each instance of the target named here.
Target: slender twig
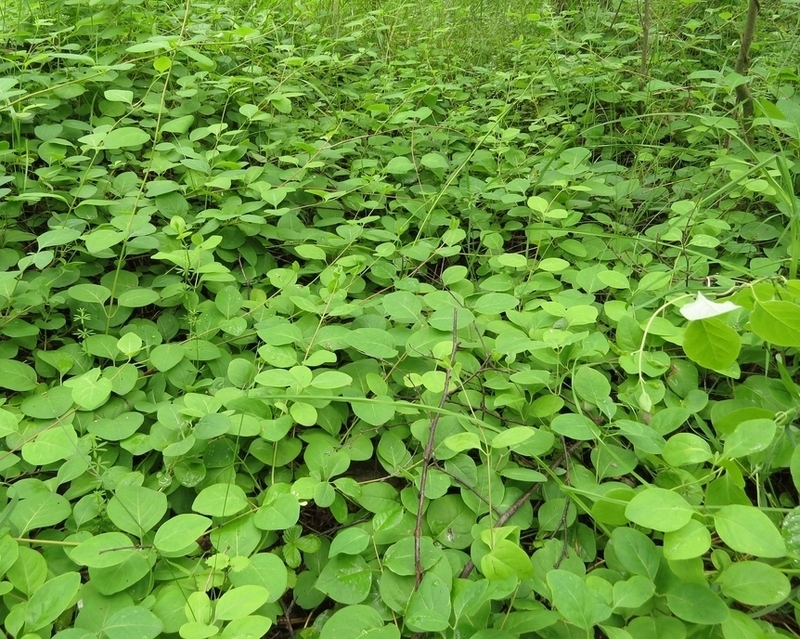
(743, 95)
(427, 455)
(470, 488)
(513, 508)
(288, 616)
(564, 513)
(645, 21)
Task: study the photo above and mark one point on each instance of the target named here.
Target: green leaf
(136, 509)
(711, 343)
(494, 303)
(138, 298)
(434, 161)
(506, 560)
(102, 240)
(754, 583)
(399, 165)
(748, 530)
(52, 445)
(89, 293)
(8, 422)
(633, 593)
(352, 622)
(57, 237)
(220, 500)
(372, 342)
(303, 413)
(228, 301)
(750, 436)
(48, 602)
(90, 391)
(109, 581)
(575, 426)
(264, 569)
(636, 552)
(310, 252)
(278, 512)
(403, 307)
(125, 137)
(133, 622)
(463, 441)
(245, 627)
(741, 626)
(350, 541)
(327, 380)
(794, 468)
(512, 437)
(16, 376)
(693, 540)
(275, 378)
(104, 550)
(685, 449)
(591, 385)
(346, 579)
(659, 509)
(777, 322)
(376, 411)
(240, 601)
(429, 607)
(575, 601)
(28, 570)
(696, 603)
(119, 95)
(180, 532)
(39, 510)
(167, 356)
(399, 558)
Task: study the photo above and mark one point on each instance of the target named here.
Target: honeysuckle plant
(335, 328)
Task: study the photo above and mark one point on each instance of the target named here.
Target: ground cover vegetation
(398, 319)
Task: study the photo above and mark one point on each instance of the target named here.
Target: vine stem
(427, 455)
(513, 508)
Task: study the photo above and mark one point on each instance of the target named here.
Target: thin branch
(513, 508)
(743, 95)
(469, 487)
(288, 616)
(565, 513)
(645, 43)
(427, 455)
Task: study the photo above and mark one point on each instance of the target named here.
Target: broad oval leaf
(16, 376)
(220, 500)
(747, 529)
(712, 344)
(48, 602)
(754, 583)
(659, 509)
(180, 532)
(696, 603)
(777, 322)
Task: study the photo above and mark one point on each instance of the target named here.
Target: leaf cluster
(313, 332)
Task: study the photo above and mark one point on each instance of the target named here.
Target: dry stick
(513, 508)
(743, 95)
(427, 454)
(288, 615)
(645, 43)
(563, 522)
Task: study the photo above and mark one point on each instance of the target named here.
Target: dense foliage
(436, 321)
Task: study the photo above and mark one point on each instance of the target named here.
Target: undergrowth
(339, 320)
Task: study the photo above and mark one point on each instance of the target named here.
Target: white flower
(703, 308)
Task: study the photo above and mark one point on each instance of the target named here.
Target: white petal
(703, 308)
